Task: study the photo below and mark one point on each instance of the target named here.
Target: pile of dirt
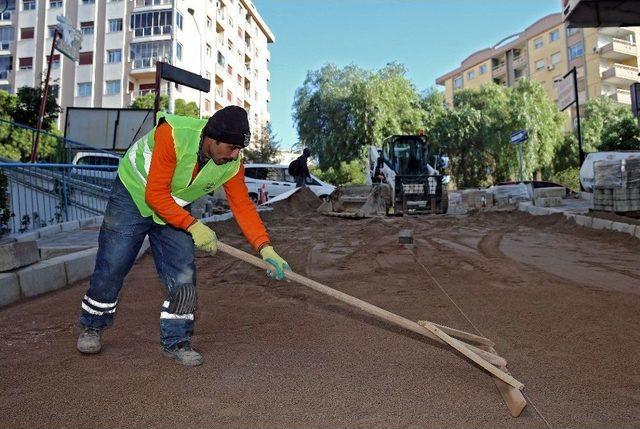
(302, 203)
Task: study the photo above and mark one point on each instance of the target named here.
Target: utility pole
(43, 101)
(174, 44)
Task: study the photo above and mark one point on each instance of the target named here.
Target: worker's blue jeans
(121, 236)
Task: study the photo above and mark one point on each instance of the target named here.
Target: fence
(38, 195)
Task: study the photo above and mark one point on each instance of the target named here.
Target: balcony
(619, 32)
(619, 50)
(143, 92)
(150, 3)
(620, 75)
(499, 70)
(519, 62)
(622, 96)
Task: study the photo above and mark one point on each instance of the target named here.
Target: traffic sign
(70, 38)
(517, 137)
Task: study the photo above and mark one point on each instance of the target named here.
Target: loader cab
(406, 155)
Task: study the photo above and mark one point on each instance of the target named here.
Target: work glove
(203, 237)
(272, 258)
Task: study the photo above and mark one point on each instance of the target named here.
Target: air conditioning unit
(551, 67)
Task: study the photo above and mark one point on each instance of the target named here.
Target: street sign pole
(518, 138)
(575, 89)
(43, 101)
(520, 160)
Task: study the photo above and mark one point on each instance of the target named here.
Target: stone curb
(46, 231)
(585, 221)
(51, 274)
(61, 271)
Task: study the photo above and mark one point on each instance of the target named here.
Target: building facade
(226, 41)
(606, 61)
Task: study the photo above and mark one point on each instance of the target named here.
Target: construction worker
(177, 162)
(298, 168)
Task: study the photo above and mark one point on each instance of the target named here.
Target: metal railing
(53, 148)
(40, 194)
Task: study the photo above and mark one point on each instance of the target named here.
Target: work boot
(183, 354)
(89, 341)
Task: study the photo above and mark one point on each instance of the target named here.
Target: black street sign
(518, 137)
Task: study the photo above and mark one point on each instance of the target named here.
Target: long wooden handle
(429, 330)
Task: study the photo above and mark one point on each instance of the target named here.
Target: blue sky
(430, 37)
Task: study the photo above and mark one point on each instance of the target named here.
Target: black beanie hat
(229, 125)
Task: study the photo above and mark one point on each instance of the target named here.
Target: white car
(103, 175)
(277, 180)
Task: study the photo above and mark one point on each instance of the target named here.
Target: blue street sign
(518, 137)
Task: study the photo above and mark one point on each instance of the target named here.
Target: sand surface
(561, 302)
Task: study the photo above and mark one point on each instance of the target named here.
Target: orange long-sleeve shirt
(158, 192)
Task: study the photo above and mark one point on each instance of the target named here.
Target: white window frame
(540, 64)
(80, 85)
(554, 35)
(538, 43)
(109, 87)
(556, 57)
(114, 56)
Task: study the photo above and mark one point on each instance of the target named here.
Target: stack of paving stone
(476, 198)
(617, 185)
(509, 195)
(549, 197)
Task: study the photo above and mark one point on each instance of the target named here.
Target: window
(207, 105)
(26, 33)
(113, 87)
(229, 95)
(85, 58)
(145, 55)
(151, 23)
(179, 51)
(55, 90)
(52, 30)
(84, 89)
(229, 69)
(554, 35)
(25, 63)
(55, 63)
(5, 66)
(115, 25)
(537, 43)
(208, 50)
(209, 23)
(88, 1)
(471, 74)
(55, 4)
(114, 56)
(483, 69)
(572, 31)
(457, 82)
(555, 58)
(576, 50)
(220, 59)
(179, 20)
(7, 36)
(86, 27)
(28, 4)
(540, 64)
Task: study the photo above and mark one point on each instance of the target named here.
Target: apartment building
(226, 41)
(606, 61)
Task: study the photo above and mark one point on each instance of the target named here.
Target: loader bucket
(358, 201)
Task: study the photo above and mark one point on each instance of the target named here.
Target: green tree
(475, 133)
(264, 148)
(339, 111)
(347, 173)
(16, 142)
(27, 108)
(607, 125)
(182, 108)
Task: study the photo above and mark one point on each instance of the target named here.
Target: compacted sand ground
(561, 303)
